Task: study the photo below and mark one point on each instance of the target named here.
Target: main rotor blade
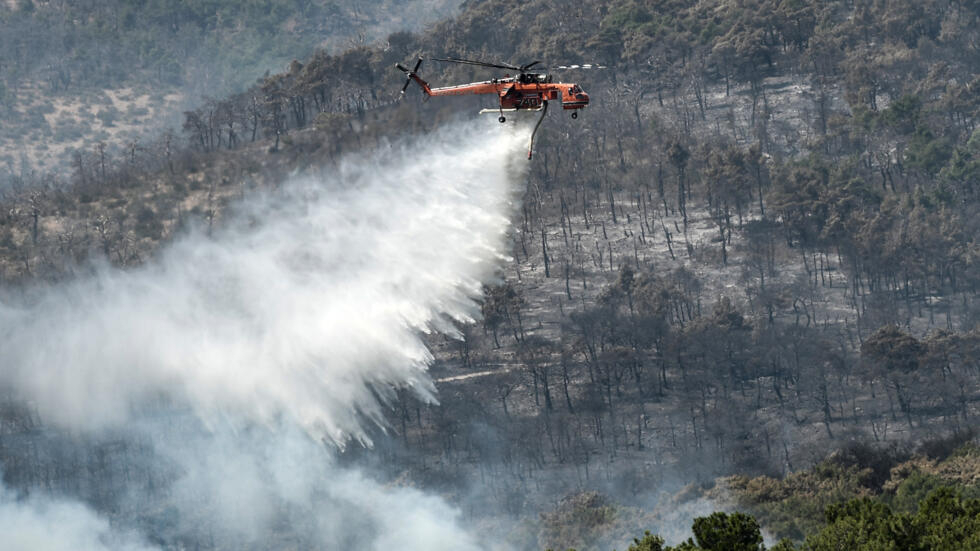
(472, 62)
(585, 66)
(529, 65)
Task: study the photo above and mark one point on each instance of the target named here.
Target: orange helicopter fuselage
(530, 91)
(514, 94)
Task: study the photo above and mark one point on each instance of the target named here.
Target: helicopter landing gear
(502, 119)
(574, 114)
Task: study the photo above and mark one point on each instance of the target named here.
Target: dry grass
(79, 121)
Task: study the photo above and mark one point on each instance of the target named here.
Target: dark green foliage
(913, 490)
(802, 503)
(944, 521)
(723, 532)
(963, 169)
(861, 522)
(927, 152)
(649, 542)
(903, 113)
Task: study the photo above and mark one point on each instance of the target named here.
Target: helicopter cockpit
(534, 78)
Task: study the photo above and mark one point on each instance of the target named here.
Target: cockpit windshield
(532, 78)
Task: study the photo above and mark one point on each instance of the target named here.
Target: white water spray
(303, 312)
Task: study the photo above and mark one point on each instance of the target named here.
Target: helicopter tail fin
(412, 75)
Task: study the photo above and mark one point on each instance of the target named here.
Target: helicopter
(528, 91)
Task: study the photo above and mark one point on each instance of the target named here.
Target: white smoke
(260, 489)
(311, 300)
(292, 324)
(32, 524)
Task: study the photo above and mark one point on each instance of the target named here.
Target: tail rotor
(408, 74)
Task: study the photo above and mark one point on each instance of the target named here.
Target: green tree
(862, 524)
(723, 532)
(649, 542)
(948, 522)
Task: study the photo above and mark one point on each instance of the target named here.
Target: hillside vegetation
(77, 76)
(757, 245)
(858, 499)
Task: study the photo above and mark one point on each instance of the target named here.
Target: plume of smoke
(33, 524)
(290, 326)
(308, 306)
(261, 488)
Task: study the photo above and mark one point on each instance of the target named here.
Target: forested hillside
(77, 76)
(757, 245)
(858, 498)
